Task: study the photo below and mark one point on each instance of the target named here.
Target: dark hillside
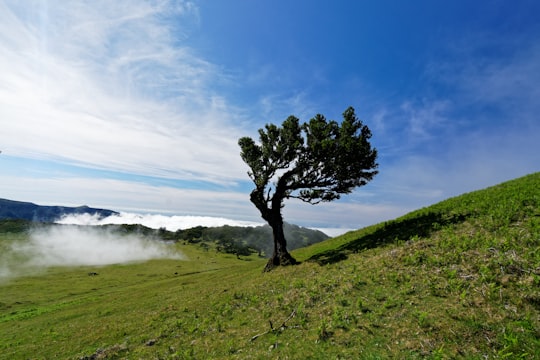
(10, 209)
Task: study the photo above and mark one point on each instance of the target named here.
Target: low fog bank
(79, 246)
(72, 245)
(154, 221)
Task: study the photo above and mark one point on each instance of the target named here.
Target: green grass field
(459, 279)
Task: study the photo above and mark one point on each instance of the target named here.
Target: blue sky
(138, 105)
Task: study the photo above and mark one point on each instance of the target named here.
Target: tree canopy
(315, 162)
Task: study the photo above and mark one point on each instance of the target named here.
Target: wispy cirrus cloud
(492, 72)
(110, 86)
(425, 119)
(475, 127)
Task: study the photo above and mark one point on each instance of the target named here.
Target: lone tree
(314, 162)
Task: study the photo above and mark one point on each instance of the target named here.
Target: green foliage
(459, 279)
(15, 226)
(321, 159)
(247, 240)
(316, 161)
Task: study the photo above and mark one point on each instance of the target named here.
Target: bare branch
(282, 327)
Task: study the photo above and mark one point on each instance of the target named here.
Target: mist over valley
(39, 237)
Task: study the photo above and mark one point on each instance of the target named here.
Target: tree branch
(272, 329)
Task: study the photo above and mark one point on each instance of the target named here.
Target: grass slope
(459, 279)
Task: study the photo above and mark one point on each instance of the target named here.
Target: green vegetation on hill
(246, 240)
(459, 279)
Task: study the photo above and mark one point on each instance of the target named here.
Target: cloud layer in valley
(64, 245)
(154, 221)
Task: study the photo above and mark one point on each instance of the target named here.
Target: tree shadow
(398, 230)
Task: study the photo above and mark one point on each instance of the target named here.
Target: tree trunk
(281, 256)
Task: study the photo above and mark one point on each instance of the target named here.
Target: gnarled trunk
(281, 256)
(272, 215)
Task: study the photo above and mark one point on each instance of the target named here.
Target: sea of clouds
(154, 221)
(172, 222)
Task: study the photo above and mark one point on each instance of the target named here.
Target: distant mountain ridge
(10, 209)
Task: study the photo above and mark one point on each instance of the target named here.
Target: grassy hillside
(459, 279)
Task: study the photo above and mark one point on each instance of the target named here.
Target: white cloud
(154, 221)
(92, 246)
(109, 86)
(79, 246)
(426, 119)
